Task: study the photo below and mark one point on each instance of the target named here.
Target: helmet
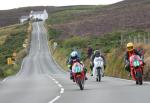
(97, 52)
(74, 54)
(130, 46)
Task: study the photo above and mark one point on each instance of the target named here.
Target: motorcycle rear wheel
(98, 75)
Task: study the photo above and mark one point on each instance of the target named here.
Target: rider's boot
(129, 74)
(85, 70)
(86, 78)
(91, 74)
(103, 75)
(103, 69)
(91, 67)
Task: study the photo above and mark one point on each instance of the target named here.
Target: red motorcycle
(78, 74)
(136, 68)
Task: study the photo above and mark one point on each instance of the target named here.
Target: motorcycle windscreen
(136, 63)
(77, 68)
(135, 60)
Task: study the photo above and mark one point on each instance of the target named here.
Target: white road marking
(61, 89)
(38, 35)
(4, 80)
(60, 85)
(21, 67)
(56, 98)
(56, 82)
(53, 79)
(147, 83)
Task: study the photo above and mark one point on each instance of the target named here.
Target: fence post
(139, 38)
(144, 39)
(135, 39)
(129, 38)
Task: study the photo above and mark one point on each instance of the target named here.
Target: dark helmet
(97, 53)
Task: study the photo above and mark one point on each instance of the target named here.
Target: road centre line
(38, 35)
(56, 82)
(60, 85)
(53, 79)
(61, 89)
(56, 98)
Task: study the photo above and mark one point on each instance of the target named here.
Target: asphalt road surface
(41, 80)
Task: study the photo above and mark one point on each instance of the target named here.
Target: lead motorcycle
(136, 66)
(78, 74)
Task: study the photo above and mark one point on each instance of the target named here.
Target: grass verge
(15, 37)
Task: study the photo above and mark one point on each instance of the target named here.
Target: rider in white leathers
(97, 56)
(98, 62)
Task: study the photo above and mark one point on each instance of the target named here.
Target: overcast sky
(9, 4)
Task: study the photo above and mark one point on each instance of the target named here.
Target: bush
(13, 43)
(53, 33)
(76, 41)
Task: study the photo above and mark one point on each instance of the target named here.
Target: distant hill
(89, 20)
(128, 14)
(9, 17)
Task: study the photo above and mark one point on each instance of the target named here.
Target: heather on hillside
(121, 16)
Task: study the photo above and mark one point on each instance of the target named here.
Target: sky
(10, 4)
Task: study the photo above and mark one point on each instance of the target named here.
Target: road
(41, 80)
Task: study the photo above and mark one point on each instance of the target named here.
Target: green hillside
(12, 39)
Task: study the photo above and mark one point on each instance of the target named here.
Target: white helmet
(74, 54)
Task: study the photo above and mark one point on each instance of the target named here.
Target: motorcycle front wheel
(139, 80)
(80, 83)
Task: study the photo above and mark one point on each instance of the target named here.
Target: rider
(130, 51)
(97, 53)
(74, 56)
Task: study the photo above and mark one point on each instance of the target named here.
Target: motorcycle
(98, 69)
(78, 74)
(136, 69)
